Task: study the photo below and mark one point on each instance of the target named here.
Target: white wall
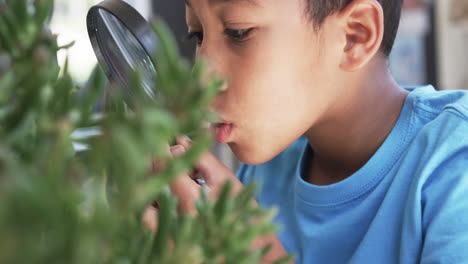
(143, 7)
(69, 22)
(452, 42)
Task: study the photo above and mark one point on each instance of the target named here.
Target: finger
(214, 172)
(158, 165)
(217, 175)
(184, 141)
(209, 165)
(150, 222)
(184, 188)
(211, 168)
(206, 164)
(177, 150)
(150, 218)
(187, 191)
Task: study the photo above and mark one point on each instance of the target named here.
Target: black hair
(319, 10)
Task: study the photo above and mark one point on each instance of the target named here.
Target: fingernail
(186, 138)
(177, 150)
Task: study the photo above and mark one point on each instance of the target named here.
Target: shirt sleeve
(445, 211)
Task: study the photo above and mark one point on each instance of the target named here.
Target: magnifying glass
(123, 42)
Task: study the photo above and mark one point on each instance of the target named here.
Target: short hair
(319, 10)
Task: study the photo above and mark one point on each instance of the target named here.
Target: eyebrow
(212, 2)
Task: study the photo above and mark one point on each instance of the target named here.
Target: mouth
(222, 131)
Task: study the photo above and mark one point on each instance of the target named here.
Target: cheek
(270, 71)
(275, 94)
(271, 110)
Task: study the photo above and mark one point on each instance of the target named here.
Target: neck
(355, 127)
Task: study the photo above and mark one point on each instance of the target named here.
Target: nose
(208, 74)
(213, 62)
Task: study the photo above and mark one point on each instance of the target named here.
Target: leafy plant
(59, 206)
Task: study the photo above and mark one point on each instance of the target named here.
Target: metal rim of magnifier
(131, 19)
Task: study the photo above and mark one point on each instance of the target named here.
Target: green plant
(58, 206)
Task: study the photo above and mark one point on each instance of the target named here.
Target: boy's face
(281, 79)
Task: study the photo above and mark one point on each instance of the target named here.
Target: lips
(222, 131)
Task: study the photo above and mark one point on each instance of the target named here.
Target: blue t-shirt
(407, 204)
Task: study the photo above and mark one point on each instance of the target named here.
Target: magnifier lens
(120, 50)
(125, 50)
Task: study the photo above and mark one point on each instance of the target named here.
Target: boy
(362, 170)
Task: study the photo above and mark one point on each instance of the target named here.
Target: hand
(209, 168)
(188, 191)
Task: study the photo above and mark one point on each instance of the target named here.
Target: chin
(250, 156)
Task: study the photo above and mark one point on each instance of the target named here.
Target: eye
(198, 36)
(238, 34)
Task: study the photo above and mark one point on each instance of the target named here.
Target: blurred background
(430, 47)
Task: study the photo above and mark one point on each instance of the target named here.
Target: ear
(362, 22)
